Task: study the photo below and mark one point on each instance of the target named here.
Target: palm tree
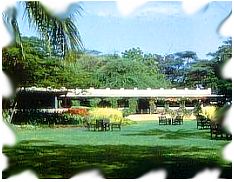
(10, 19)
(59, 35)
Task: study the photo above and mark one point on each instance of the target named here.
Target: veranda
(141, 101)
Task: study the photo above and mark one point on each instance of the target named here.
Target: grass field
(136, 149)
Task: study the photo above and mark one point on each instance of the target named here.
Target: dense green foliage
(131, 69)
(177, 66)
(38, 69)
(207, 73)
(122, 72)
(47, 119)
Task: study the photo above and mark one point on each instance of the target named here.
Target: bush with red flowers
(78, 111)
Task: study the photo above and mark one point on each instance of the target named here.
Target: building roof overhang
(123, 93)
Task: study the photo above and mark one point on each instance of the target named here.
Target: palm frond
(59, 34)
(10, 20)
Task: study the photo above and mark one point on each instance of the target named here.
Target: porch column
(56, 102)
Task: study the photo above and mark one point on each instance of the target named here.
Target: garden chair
(87, 123)
(178, 120)
(228, 136)
(216, 131)
(91, 126)
(99, 125)
(202, 122)
(162, 120)
(106, 124)
(116, 125)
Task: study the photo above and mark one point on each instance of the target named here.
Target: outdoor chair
(116, 125)
(99, 125)
(202, 122)
(91, 126)
(228, 136)
(162, 120)
(106, 124)
(217, 132)
(178, 120)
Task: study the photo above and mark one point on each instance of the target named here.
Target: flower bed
(78, 111)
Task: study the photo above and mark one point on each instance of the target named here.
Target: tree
(10, 20)
(207, 73)
(40, 70)
(186, 56)
(175, 66)
(183, 61)
(59, 35)
(199, 74)
(134, 54)
(126, 73)
(151, 61)
(220, 57)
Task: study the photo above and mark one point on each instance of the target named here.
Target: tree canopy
(133, 68)
(39, 69)
(59, 35)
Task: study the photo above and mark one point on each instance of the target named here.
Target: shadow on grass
(120, 161)
(168, 134)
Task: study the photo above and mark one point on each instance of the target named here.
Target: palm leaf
(60, 35)
(10, 20)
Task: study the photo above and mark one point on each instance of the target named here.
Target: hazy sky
(156, 27)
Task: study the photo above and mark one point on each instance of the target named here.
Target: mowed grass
(63, 152)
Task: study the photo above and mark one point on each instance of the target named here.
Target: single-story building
(141, 100)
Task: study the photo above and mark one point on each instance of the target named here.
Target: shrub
(221, 113)
(6, 115)
(113, 101)
(78, 111)
(108, 113)
(132, 105)
(210, 112)
(94, 102)
(35, 117)
(197, 109)
(75, 103)
(75, 119)
(173, 113)
(126, 112)
(131, 109)
(166, 107)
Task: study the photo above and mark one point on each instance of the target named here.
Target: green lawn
(63, 152)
